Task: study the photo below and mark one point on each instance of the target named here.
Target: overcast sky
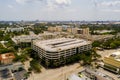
(60, 9)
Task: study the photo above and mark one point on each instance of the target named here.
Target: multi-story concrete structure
(101, 37)
(29, 38)
(54, 49)
(25, 38)
(17, 29)
(55, 29)
(48, 35)
(72, 30)
(84, 31)
(76, 30)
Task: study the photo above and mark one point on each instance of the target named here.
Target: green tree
(96, 44)
(35, 66)
(113, 45)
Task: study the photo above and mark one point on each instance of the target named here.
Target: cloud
(10, 6)
(48, 3)
(95, 3)
(26, 1)
(63, 2)
(52, 4)
(116, 10)
(110, 6)
(111, 10)
(111, 3)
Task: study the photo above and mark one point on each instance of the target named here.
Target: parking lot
(115, 76)
(61, 73)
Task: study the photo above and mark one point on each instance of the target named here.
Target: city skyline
(60, 10)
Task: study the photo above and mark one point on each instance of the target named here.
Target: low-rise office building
(17, 29)
(54, 49)
(112, 63)
(48, 35)
(29, 38)
(24, 38)
(101, 37)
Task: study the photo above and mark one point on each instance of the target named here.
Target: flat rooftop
(116, 53)
(115, 56)
(113, 59)
(20, 75)
(55, 45)
(5, 74)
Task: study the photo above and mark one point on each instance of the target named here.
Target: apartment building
(54, 49)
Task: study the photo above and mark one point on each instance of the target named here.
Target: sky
(62, 10)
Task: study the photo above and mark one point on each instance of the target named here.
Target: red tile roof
(7, 56)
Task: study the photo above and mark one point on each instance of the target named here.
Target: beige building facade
(55, 29)
(84, 31)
